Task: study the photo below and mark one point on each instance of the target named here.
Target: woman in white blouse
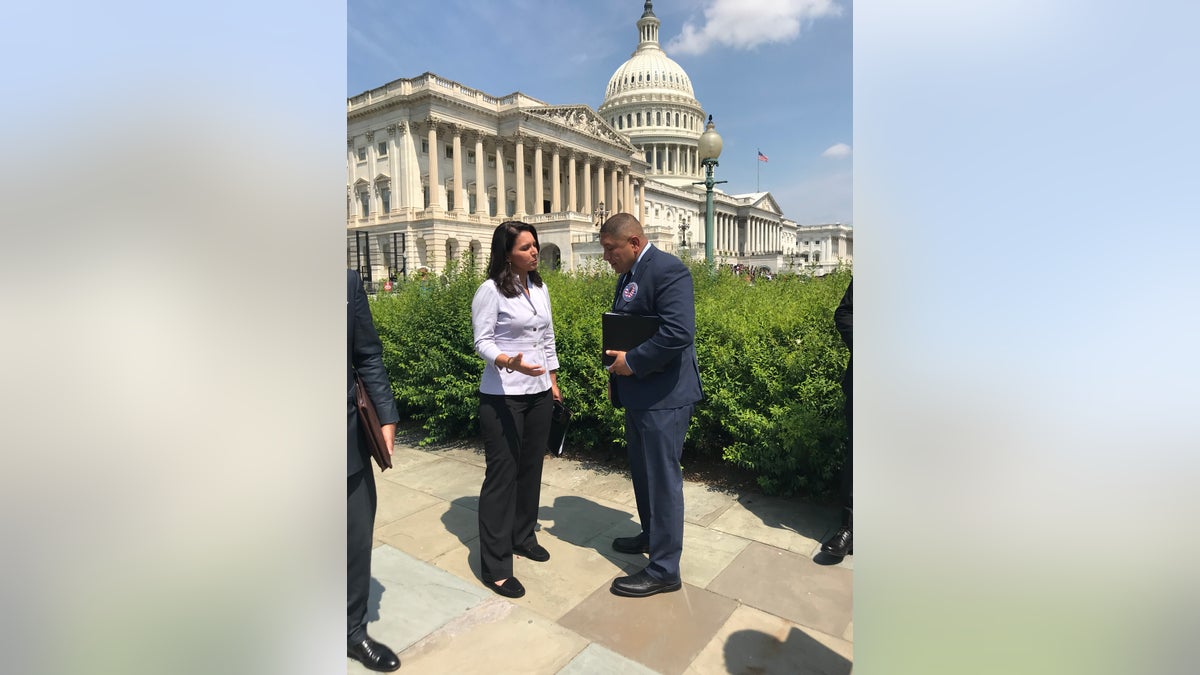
(514, 333)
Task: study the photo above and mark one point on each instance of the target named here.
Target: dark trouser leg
(847, 487)
(360, 522)
(514, 429)
(637, 470)
(530, 455)
(659, 436)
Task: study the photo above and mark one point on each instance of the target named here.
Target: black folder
(622, 332)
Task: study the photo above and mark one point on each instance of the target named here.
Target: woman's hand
(555, 392)
(530, 369)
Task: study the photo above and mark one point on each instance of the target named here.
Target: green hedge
(770, 357)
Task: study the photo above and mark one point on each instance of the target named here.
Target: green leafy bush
(771, 364)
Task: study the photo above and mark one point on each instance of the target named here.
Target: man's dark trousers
(655, 441)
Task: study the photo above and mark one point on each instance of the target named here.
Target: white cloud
(837, 150)
(744, 24)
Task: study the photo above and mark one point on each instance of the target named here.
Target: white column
(539, 188)
(351, 178)
(393, 168)
(628, 199)
(372, 188)
(588, 206)
(572, 203)
(600, 187)
(555, 183)
(612, 184)
(501, 194)
(435, 201)
(520, 212)
(481, 205)
(460, 195)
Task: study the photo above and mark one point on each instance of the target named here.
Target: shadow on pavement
(577, 520)
(752, 651)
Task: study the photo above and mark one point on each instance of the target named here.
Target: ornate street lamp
(683, 232)
(600, 215)
(709, 149)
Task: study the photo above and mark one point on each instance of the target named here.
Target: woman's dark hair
(499, 271)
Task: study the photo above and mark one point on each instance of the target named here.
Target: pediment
(583, 120)
(767, 203)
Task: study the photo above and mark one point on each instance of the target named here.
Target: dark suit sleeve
(675, 305)
(366, 355)
(843, 316)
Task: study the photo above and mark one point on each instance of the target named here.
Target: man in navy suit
(364, 355)
(658, 384)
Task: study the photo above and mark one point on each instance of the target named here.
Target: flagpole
(757, 168)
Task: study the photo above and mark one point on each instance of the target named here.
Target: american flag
(761, 157)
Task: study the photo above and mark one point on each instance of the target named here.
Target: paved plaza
(756, 598)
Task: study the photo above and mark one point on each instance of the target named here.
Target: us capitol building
(434, 166)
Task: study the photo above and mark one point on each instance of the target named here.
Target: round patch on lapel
(630, 291)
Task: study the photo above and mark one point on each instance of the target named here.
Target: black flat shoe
(641, 585)
(841, 544)
(535, 553)
(511, 588)
(374, 655)
(638, 544)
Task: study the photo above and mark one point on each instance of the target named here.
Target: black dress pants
(847, 487)
(360, 517)
(515, 432)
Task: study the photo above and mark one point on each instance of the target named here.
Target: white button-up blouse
(521, 325)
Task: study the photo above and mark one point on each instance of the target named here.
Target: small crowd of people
(656, 383)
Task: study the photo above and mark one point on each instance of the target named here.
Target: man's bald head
(622, 239)
(622, 226)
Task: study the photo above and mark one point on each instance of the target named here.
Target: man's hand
(389, 435)
(618, 367)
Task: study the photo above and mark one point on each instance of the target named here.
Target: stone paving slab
(404, 459)
(445, 478)
(702, 504)
(410, 599)
(432, 531)
(573, 477)
(664, 632)
(596, 659)
(757, 597)
(552, 588)
(777, 522)
(790, 586)
(468, 454)
(395, 501)
(494, 637)
(706, 553)
(752, 641)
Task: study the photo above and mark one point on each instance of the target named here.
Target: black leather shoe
(511, 588)
(374, 655)
(535, 553)
(841, 544)
(641, 585)
(638, 544)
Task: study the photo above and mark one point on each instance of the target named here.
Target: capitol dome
(650, 100)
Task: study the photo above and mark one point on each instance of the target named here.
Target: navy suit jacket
(364, 353)
(666, 374)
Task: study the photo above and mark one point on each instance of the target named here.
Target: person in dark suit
(364, 355)
(658, 385)
(841, 543)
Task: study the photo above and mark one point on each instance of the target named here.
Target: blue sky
(775, 74)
